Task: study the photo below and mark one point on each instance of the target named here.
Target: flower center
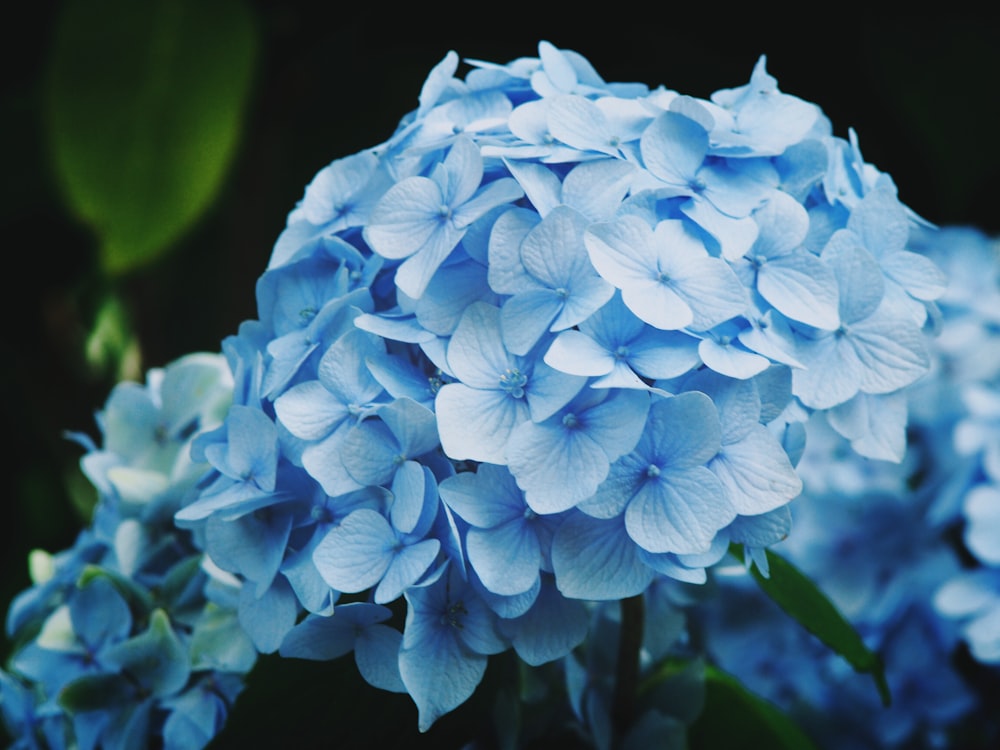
(513, 381)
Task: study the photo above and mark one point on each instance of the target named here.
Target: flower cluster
(131, 633)
(909, 552)
(554, 341)
(967, 370)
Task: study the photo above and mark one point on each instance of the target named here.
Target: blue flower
(422, 219)
(448, 636)
(496, 390)
(666, 276)
(549, 276)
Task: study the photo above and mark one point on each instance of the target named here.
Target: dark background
(333, 78)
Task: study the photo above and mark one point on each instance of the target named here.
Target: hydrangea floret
(130, 636)
(554, 341)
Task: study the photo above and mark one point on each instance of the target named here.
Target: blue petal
(551, 629)
(355, 555)
(596, 559)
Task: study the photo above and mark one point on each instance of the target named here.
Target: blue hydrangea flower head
(555, 340)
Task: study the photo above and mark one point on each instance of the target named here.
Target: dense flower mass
(908, 551)
(131, 634)
(555, 340)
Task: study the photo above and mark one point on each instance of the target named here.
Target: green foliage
(735, 718)
(144, 104)
(799, 597)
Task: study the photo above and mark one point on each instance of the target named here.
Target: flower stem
(627, 680)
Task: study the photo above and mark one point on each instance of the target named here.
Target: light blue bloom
(560, 461)
(872, 351)
(421, 219)
(448, 636)
(621, 350)
(665, 274)
(549, 276)
(496, 390)
(670, 499)
(507, 542)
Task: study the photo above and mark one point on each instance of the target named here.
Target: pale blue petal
(267, 619)
(505, 272)
(322, 461)
(485, 498)
(250, 545)
(476, 354)
(413, 276)
(916, 274)
(497, 193)
(680, 511)
(734, 235)
(477, 424)
(674, 147)
(549, 390)
(551, 629)
(506, 557)
(355, 555)
(596, 559)
(597, 188)
(622, 251)
(576, 353)
(415, 498)
(756, 473)
(455, 286)
(731, 360)
(406, 567)
(711, 289)
(859, 278)
(875, 425)
(376, 653)
(832, 372)
(802, 287)
(555, 466)
(404, 219)
(658, 304)
(540, 184)
(892, 353)
(369, 452)
(309, 411)
(326, 638)
(525, 317)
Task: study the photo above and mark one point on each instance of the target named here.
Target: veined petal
(356, 554)
(680, 511)
(595, 559)
(405, 217)
(476, 424)
(506, 558)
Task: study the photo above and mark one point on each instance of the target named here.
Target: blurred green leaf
(735, 718)
(795, 593)
(144, 104)
(112, 348)
(95, 692)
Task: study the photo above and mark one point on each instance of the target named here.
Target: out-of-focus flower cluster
(555, 341)
(131, 634)
(909, 552)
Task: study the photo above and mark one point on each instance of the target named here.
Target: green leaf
(795, 593)
(144, 102)
(735, 718)
(96, 692)
(156, 658)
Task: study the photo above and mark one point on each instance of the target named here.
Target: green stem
(627, 680)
